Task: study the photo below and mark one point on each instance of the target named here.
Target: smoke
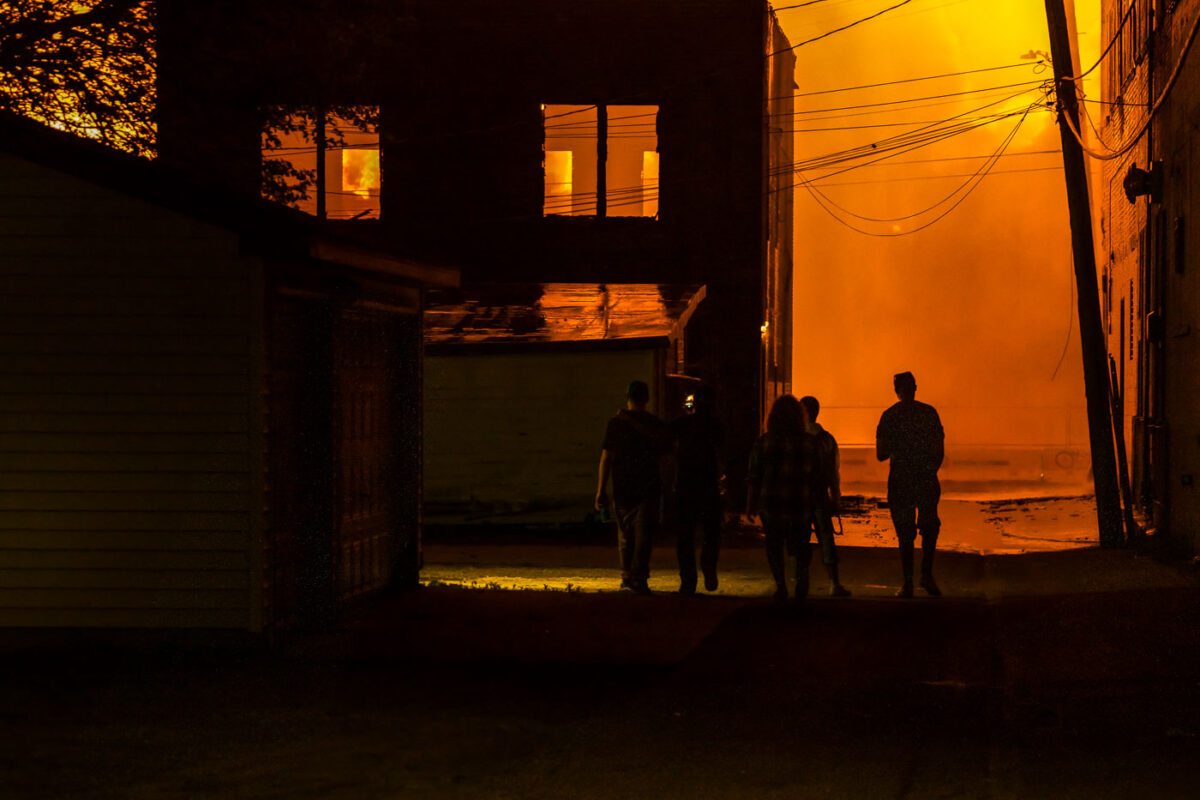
(979, 305)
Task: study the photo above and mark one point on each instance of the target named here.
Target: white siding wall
(126, 404)
(522, 433)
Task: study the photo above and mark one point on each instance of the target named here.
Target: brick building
(596, 141)
(1150, 289)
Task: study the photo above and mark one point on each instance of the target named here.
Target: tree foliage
(85, 66)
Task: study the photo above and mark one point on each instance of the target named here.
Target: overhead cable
(935, 220)
(1109, 153)
(846, 27)
(811, 185)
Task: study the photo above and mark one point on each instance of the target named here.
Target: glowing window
(323, 161)
(601, 160)
(649, 183)
(558, 174)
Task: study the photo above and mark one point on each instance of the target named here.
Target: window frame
(601, 156)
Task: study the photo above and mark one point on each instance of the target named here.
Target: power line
(882, 125)
(986, 166)
(800, 5)
(1114, 153)
(1112, 42)
(905, 142)
(904, 109)
(922, 227)
(846, 27)
(910, 80)
(971, 158)
(912, 99)
(936, 177)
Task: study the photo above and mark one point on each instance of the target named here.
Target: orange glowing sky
(979, 305)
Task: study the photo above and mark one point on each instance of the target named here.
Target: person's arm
(883, 447)
(602, 483)
(939, 446)
(835, 480)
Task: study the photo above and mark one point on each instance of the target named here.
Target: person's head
(906, 385)
(638, 396)
(812, 407)
(701, 401)
(787, 417)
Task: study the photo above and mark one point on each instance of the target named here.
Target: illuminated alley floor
(969, 529)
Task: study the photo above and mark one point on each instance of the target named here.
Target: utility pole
(321, 149)
(602, 160)
(1091, 331)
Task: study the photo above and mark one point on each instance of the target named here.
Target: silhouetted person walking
(780, 489)
(910, 434)
(697, 436)
(828, 485)
(634, 444)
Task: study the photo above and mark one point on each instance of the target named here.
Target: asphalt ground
(1055, 674)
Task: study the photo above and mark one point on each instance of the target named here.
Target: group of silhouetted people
(793, 486)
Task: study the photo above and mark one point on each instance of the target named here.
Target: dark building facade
(211, 408)
(1150, 279)
(596, 141)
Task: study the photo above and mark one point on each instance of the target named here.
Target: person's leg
(645, 530)
(626, 518)
(802, 555)
(904, 518)
(710, 548)
(685, 543)
(775, 546)
(930, 526)
(823, 523)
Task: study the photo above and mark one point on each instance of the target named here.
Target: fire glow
(360, 171)
(978, 304)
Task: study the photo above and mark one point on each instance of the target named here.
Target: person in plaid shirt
(784, 468)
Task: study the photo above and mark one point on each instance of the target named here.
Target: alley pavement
(1062, 674)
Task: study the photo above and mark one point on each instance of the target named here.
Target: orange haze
(978, 305)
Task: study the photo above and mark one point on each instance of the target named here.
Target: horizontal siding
(125, 461)
(147, 500)
(121, 579)
(167, 523)
(190, 422)
(67, 597)
(70, 303)
(129, 540)
(171, 384)
(15, 445)
(109, 343)
(118, 267)
(113, 481)
(161, 561)
(125, 410)
(516, 432)
(100, 285)
(120, 617)
(51, 322)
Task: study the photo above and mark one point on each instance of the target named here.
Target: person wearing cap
(635, 442)
(910, 435)
(828, 493)
(698, 437)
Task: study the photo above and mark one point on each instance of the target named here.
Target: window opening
(600, 160)
(323, 161)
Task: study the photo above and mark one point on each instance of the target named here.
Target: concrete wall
(512, 437)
